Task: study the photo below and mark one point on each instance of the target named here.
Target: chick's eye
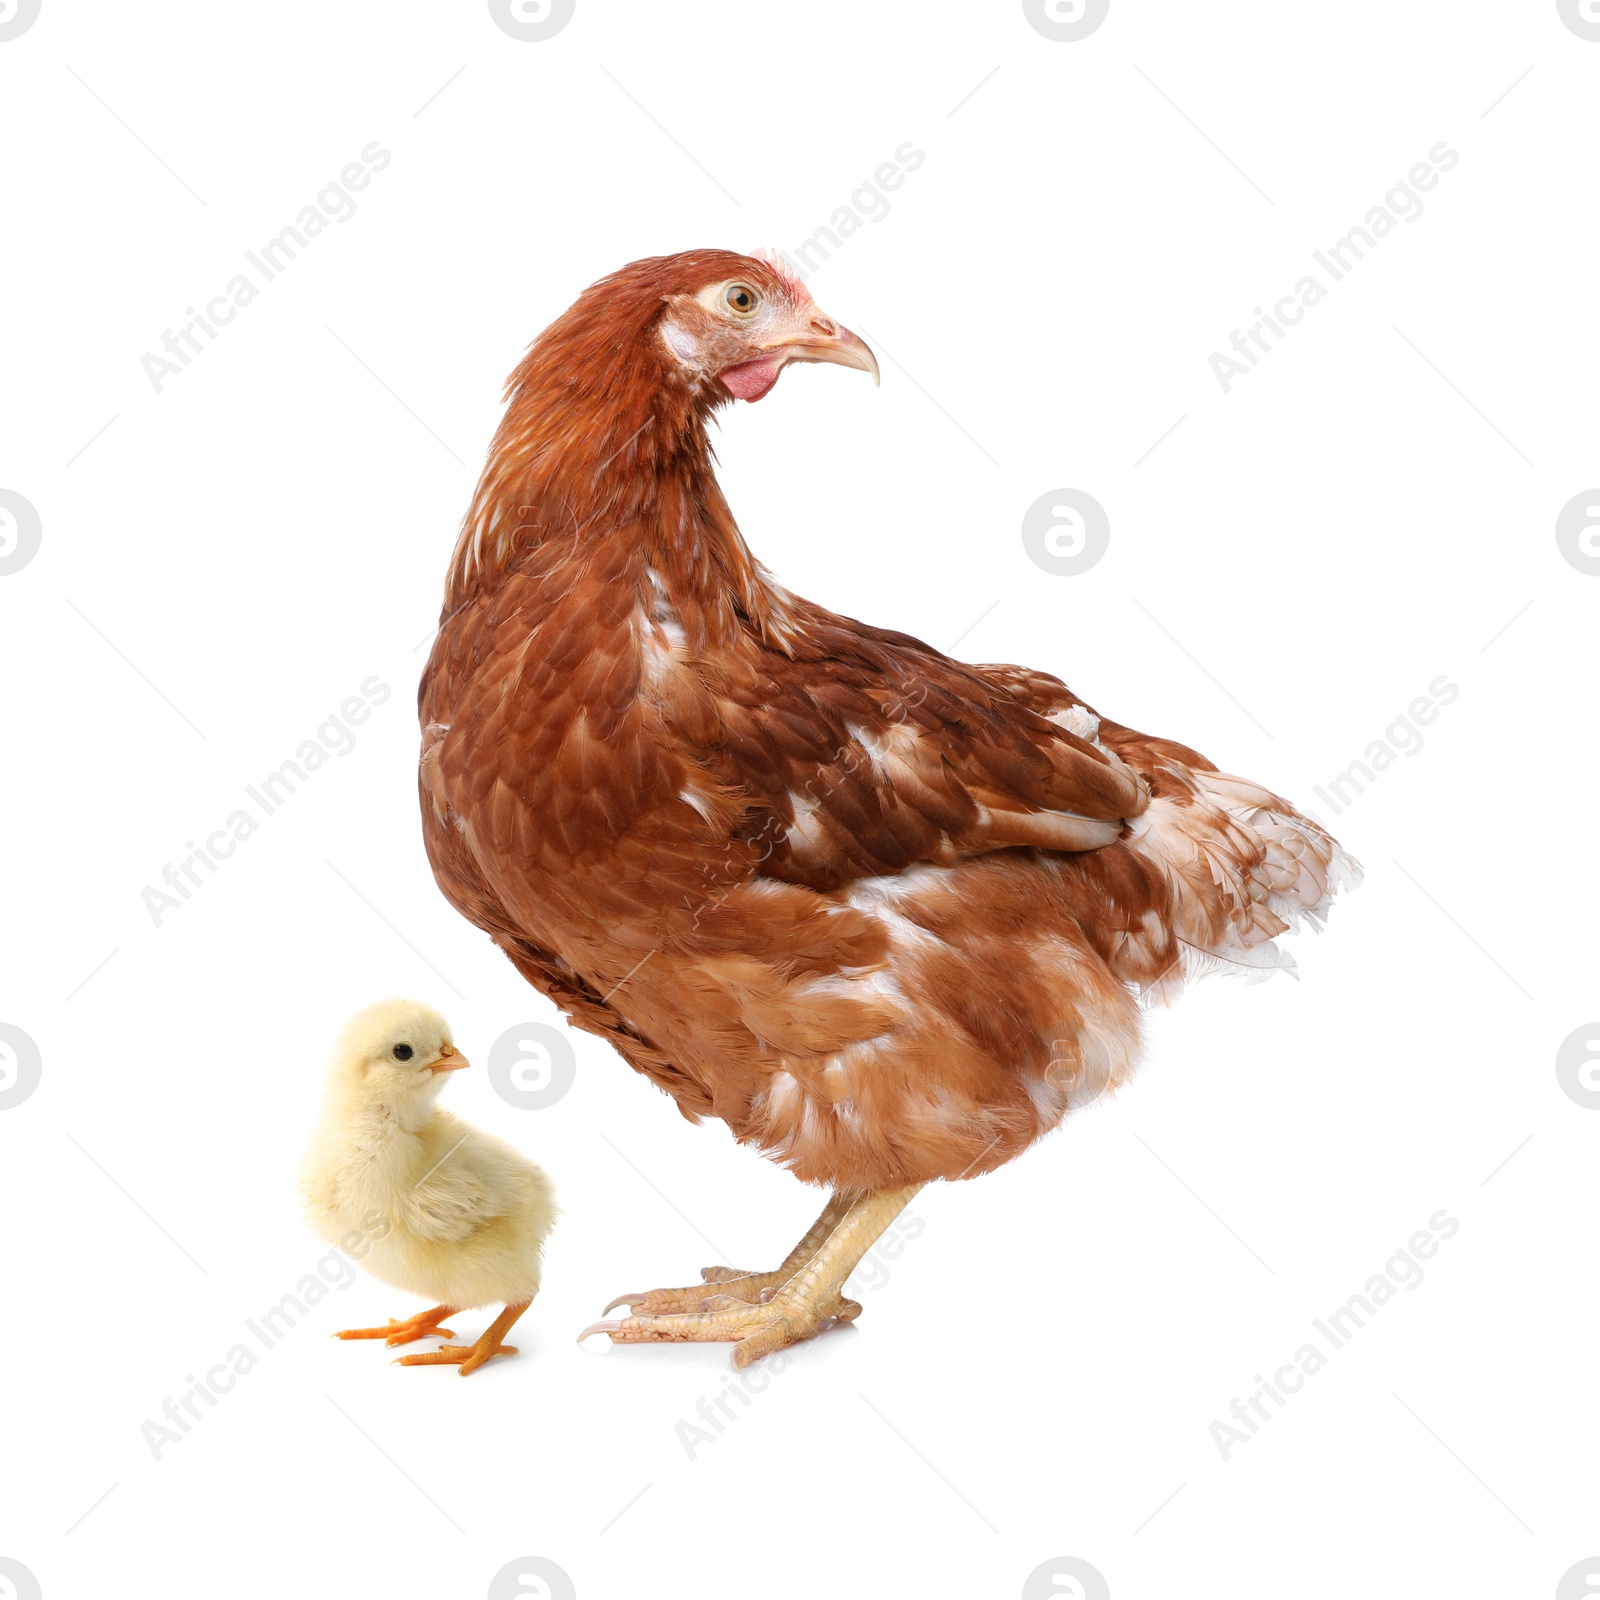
(742, 298)
(402, 1052)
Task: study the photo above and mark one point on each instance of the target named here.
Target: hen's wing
(1148, 754)
(862, 752)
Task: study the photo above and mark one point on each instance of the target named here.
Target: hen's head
(719, 324)
(605, 422)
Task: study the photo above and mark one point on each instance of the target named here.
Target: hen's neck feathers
(604, 438)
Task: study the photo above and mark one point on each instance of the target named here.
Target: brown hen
(886, 914)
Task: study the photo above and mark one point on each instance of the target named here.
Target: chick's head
(397, 1052)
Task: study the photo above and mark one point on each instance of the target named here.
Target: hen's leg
(469, 1357)
(819, 1230)
(421, 1326)
(806, 1302)
(730, 1281)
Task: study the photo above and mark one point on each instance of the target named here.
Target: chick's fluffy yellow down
(441, 1210)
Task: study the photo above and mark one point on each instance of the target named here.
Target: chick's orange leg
(730, 1282)
(806, 1303)
(469, 1357)
(424, 1325)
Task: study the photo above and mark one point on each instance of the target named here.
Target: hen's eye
(742, 298)
(402, 1052)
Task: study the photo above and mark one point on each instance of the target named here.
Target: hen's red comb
(786, 272)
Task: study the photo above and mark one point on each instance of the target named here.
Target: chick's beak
(450, 1060)
(826, 340)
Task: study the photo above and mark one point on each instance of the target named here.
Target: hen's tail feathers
(1243, 867)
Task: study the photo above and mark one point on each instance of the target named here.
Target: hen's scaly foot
(741, 1285)
(760, 1312)
(746, 1286)
(756, 1330)
(469, 1357)
(424, 1325)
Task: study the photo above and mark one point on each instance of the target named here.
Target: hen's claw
(745, 1286)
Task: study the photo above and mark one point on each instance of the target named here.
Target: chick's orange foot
(469, 1357)
(759, 1312)
(424, 1325)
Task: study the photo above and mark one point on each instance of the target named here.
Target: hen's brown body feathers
(882, 912)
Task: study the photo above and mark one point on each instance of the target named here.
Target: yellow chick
(426, 1202)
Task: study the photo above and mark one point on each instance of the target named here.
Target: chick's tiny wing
(456, 1195)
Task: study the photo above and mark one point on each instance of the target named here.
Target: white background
(1289, 568)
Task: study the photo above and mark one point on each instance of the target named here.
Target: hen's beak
(450, 1060)
(816, 338)
(827, 341)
